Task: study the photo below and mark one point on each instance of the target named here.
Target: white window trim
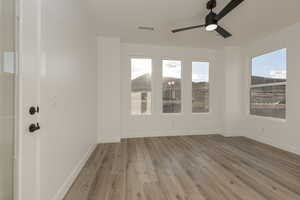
(209, 89)
(181, 81)
(268, 84)
(265, 85)
(130, 85)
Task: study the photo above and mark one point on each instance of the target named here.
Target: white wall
(109, 93)
(68, 94)
(281, 133)
(234, 90)
(112, 128)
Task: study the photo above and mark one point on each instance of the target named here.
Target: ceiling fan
(212, 19)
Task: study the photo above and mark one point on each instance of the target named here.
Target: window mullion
(268, 84)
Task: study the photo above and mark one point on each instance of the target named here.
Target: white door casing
(29, 13)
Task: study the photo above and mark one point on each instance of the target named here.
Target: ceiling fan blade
(228, 8)
(187, 28)
(223, 32)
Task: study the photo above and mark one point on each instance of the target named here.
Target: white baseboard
(72, 177)
(109, 140)
(262, 139)
(141, 134)
(233, 133)
(283, 146)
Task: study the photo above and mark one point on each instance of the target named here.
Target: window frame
(250, 86)
(209, 89)
(130, 85)
(181, 85)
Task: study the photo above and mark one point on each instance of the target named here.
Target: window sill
(267, 118)
(202, 113)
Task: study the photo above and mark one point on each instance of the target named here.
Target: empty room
(149, 100)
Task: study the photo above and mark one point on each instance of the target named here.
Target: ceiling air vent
(146, 28)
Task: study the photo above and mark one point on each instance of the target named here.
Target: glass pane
(171, 86)
(141, 90)
(200, 87)
(269, 68)
(7, 78)
(268, 101)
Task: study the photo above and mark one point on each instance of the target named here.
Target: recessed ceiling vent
(146, 28)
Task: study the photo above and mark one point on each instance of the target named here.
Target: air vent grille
(146, 28)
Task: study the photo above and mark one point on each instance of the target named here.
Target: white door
(29, 59)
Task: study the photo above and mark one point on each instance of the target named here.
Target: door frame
(16, 105)
(28, 46)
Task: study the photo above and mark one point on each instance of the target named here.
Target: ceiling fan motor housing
(211, 19)
(211, 4)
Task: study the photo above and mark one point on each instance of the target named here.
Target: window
(171, 93)
(268, 85)
(200, 87)
(141, 86)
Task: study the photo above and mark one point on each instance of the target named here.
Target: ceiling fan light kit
(212, 19)
(211, 22)
(211, 27)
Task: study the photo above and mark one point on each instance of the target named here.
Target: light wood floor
(188, 168)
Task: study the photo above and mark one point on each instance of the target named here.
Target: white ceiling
(251, 20)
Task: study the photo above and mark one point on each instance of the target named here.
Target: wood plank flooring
(188, 168)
